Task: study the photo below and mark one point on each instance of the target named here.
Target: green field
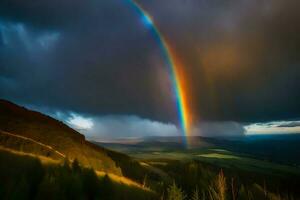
(218, 157)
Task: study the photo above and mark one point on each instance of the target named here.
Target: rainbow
(177, 79)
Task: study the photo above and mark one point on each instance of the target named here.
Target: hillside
(33, 132)
(23, 176)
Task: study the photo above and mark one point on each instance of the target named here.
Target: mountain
(33, 132)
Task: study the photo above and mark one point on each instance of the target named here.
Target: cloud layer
(241, 58)
(118, 127)
(274, 127)
(114, 127)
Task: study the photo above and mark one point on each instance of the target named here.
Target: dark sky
(241, 58)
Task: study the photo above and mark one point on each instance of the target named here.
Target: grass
(218, 155)
(122, 180)
(33, 132)
(44, 160)
(28, 145)
(232, 160)
(23, 176)
(49, 161)
(187, 173)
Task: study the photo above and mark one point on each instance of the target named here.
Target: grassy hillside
(24, 177)
(37, 131)
(27, 145)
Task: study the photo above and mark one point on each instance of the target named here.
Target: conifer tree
(175, 193)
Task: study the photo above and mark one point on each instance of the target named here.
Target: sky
(97, 66)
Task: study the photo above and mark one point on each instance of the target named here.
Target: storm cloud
(96, 61)
(241, 58)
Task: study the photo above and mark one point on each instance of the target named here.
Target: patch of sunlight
(33, 141)
(156, 153)
(122, 180)
(220, 150)
(218, 155)
(44, 160)
(158, 163)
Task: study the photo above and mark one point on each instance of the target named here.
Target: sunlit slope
(28, 145)
(44, 178)
(41, 134)
(49, 161)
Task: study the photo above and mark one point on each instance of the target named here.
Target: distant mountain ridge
(33, 132)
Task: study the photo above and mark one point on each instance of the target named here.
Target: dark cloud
(241, 58)
(54, 14)
(101, 61)
(290, 124)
